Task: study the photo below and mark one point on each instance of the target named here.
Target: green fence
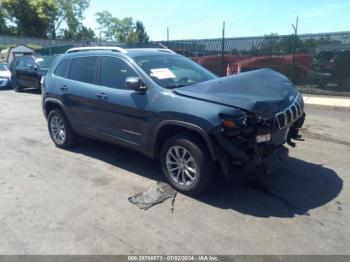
(54, 50)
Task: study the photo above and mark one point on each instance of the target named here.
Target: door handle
(63, 87)
(101, 96)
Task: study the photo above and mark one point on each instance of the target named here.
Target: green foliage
(3, 47)
(81, 33)
(106, 23)
(3, 26)
(73, 14)
(121, 30)
(44, 18)
(28, 16)
(141, 33)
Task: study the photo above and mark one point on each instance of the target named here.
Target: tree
(124, 29)
(73, 12)
(28, 16)
(3, 26)
(44, 18)
(121, 30)
(113, 28)
(68, 11)
(82, 33)
(141, 33)
(106, 22)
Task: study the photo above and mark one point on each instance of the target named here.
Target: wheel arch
(51, 104)
(168, 128)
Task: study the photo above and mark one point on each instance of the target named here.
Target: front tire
(60, 130)
(186, 164)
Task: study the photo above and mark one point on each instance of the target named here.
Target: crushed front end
(253, 142)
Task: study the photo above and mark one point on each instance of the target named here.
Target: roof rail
(96, 48)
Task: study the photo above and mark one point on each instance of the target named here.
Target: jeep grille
(291, 113)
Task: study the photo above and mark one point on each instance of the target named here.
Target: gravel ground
(57, 201)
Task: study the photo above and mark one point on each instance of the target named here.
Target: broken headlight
(236, 121)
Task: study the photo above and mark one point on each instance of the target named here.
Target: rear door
(79, 91)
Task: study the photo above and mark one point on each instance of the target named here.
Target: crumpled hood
(263, 92)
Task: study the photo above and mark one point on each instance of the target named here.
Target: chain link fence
(313, 61)
(318, 61)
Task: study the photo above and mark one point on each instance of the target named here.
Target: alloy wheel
(58, 130)
(181, 165)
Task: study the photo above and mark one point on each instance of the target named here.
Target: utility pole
(223, 68)
(295, 28)
(167, 34)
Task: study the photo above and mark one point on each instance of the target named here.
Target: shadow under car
(297, 187)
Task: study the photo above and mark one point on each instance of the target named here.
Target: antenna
(165, 47)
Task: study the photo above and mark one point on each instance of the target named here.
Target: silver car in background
(5, 76)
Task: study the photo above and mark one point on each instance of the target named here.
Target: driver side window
(114, 72)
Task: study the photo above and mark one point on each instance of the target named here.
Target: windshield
(45, 61)
(3, 67)
(171, 71)
(326, 55)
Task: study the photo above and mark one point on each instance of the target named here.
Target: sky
(197, 19)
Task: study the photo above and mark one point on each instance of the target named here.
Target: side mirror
(136, 84)
(35, 67)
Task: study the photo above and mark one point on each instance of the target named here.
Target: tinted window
(83, 69)
(45, 61)
(114, 72)
(26, 61)
(62, 68)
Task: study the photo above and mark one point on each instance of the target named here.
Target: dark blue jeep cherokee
(167, 107)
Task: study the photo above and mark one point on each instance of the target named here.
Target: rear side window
(114, 72)
(62, 68)
(83, 69)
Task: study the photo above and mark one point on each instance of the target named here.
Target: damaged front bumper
(244, 149)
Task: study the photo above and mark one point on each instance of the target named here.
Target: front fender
(176, 123)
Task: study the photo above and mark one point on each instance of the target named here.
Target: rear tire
(186, 164)
(60, 130)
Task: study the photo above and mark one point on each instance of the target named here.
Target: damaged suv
(169, 108)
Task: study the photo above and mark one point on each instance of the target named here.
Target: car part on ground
(153, 196)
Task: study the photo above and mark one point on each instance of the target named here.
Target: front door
(123, 112)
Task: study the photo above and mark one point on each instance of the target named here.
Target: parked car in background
(5, 76)
(168, 107)
(27, 71)
(331, 67)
